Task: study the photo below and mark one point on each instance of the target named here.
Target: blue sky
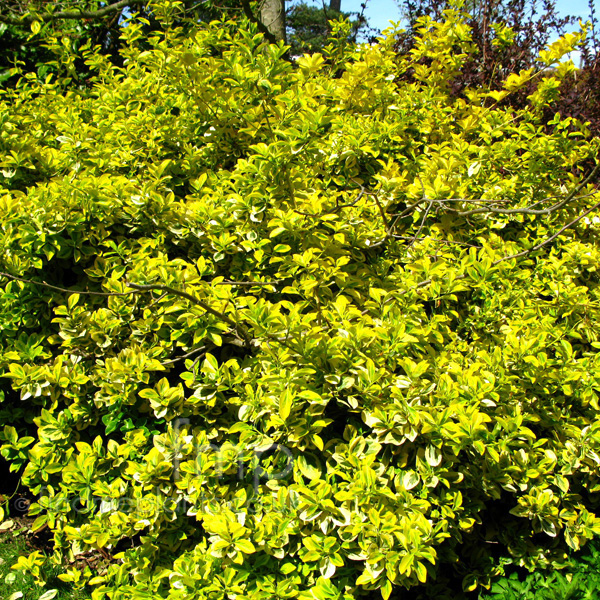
(380, 12)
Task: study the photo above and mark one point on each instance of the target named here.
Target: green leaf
(410, 480)
(285, 404)
(245, 546)
(386, 589)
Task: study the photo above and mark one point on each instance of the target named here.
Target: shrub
(274, 330)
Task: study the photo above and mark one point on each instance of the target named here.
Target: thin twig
(382, 213)
(550, 239)
(64, 290)
(444, 200)
(337, 208)
(418, 233)
(250, 283)
(221, 316)
(138, 288)
(441, 241)
(157, 300)
(530, 211)
(184, 356)
(67, 14)
(547, 241)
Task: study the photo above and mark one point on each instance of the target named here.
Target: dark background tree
(308, 26)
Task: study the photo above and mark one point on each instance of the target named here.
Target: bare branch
(184, 356)
(551, 238)
(418, 233)
(157, 300)
(441, 241)
(530, 211)
(221, 316)
(547, 241)
(139, 288)
(531, 250)
(337, 208)
(382, 213)
(443, 201)
(67, 14)
(61, 289)
(250, 283)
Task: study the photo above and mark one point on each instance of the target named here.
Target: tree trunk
(335, 5)
(272, 15)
